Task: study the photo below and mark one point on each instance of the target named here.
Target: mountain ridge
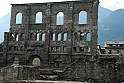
(111, 28)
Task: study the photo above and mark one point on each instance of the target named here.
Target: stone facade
(66, 50)
(47, 40)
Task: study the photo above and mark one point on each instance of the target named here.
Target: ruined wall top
(29, 10)
(85, 1)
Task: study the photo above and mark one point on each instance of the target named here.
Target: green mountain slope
(111, 28)
(103, 13)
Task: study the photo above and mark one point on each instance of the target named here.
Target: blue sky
(5, 6)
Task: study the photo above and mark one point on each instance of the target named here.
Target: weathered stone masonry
(65, 44)
(22, 41)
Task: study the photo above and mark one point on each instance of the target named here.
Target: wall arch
(53, 36)
(75, 36)
(83, 17)
(88, 36)
(32, 58)
(65, 36)
(59, 36)
(60, 18)
(43, 37)
(81, 36)
(19, 18)
(38, 17)
(17, 37)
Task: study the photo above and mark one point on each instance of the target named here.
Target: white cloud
(120, 4)
(5, 7)
(112, 4)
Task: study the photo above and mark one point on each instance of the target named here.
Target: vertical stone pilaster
(79, 36)
(70, 32)
(5, 46)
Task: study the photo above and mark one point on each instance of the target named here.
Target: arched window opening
(17, 37)
(15, 48)
(83, 17)
(58, 48)
(60, 18)
(64, 48)
(81, 49)
(74, 49)
(11, 36)
(22, 37)
(89, 50)
(19, 18)
(82, 36)
(39, 17)
(86, 49)
(21, 48)
(53, 48)
(43, 37)
(88, 36)
(53, 37)
(65, 37)
(36, 62)
(59, 37)
(31, 36)
(38, 36)
(57, 63)
(75, 36)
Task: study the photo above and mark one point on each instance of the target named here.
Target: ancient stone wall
(106, 69)
(48, 40)
(65, 45)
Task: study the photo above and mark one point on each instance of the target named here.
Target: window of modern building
(74, 49)
(118, 51)
(121, 45)
(110, 52)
